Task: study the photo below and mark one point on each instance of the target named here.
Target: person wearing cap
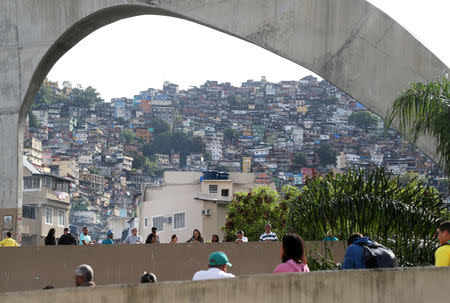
(218, 262)
(268, 236)
(109, 238)
(240, 237)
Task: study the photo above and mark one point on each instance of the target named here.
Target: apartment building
(190, 200)
(46, 204)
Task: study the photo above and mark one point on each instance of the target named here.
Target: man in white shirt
(218, 262)
(133, 238)
(268, 236)
(240, 237)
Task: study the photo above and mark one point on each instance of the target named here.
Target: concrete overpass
(350, 43)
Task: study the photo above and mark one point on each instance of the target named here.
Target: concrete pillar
(11, 133)
(11, 149)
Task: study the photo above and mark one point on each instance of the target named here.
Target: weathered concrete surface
(350, 43)
(414, 285)
(28, 268)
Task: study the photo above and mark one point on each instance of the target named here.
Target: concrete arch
(349, 43)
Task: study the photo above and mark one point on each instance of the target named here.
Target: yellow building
(246, 164)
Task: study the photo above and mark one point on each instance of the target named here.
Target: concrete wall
(28, 268)
(414, 285)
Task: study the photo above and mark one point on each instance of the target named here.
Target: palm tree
(424, 109)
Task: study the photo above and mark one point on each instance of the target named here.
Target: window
(179, 220)
(31, 182)
(225, 192)
(158, 222)
(28, 212)
(61, 218)
(146, 222)
(49, 215)
(213, 189)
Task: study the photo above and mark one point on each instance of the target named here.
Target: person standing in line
(109, 238)
(67, 238)
(196, 237)
(85, 238)
(153, 237)
(330, 236)
(292, 255)
(215, 239)
(442, 254)
(50, 239)
(218, 262)
(8, 241)
(134, 238)
(268, 236)
(84, 276)
(240, 237)
(174, 239)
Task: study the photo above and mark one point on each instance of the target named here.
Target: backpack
(378, 256)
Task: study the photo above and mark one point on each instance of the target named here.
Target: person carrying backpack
(364, 253)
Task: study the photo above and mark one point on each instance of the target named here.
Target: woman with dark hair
(215, 238)
(196, 237)
(50, 239)
(292, 255)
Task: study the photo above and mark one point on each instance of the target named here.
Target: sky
(134, 54)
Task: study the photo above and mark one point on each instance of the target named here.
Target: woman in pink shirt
(292, 255)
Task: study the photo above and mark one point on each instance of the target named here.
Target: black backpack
(378, 256)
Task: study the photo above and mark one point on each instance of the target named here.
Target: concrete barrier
(368, 286)
(28, 268)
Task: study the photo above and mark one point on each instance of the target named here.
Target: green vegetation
(231, 134)
(178, 142)
(363, 119)
(299, 161)
(327, 155)
(84, 97)
(46, 96)
(251, 211)
(424, 109)
(32, 120)
(402, 217)
(148, 166)
(160, 126)
(129, 136)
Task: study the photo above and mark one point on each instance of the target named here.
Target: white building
(188, 201)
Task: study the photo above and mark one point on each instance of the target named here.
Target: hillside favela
(244, 151)
(112, 166)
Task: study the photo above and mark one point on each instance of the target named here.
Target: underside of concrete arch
(349, 43)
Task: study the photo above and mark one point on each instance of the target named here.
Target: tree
(160, 126)
(85, 97)
(300, 160)
(363, 119)
(129, 136)
(231, 134)
(424, 110)
(32, 121)
(120, 121)
(402, 217)
(46, 96)
(327, 155)
(197, 145)
(152, 168)
(251, 211)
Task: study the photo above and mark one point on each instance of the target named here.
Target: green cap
(218, 258)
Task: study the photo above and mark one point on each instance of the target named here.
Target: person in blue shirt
(109, 238)
(330, 237)
(354, 255)
(85, 238)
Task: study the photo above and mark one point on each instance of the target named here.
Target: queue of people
(292, 254)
